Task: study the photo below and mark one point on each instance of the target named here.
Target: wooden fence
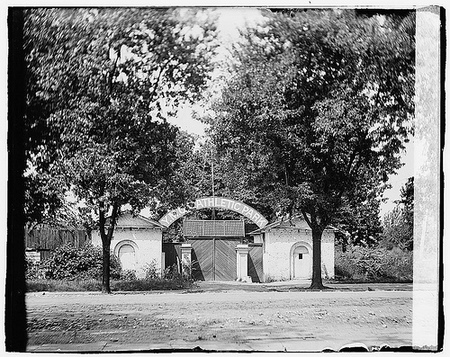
(47, 239)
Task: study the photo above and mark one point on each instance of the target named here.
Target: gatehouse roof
(128, 220)
(295, 222)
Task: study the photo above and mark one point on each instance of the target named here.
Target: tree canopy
(315, 117)
(106, 80)
(102, 83)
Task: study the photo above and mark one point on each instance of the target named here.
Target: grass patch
(63, 285)
(151, 284)
(40, 285)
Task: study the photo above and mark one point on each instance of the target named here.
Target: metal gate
(214, 258)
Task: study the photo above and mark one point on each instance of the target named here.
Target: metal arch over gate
(215, 202)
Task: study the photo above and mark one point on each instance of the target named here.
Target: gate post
(186, 252)
(242, 263)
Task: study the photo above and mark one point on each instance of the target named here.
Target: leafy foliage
(169, 279)
(374, 264)
(126, 283)
(317, 113)
(106, 81)
(359, 223)
(68, 262)
(398, 225)
(53, 275)
(407, 200)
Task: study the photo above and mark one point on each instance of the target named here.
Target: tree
(398, 225)
(360, 224)
(206, 173)
(317, 111)
(407, 200)
(111, 78)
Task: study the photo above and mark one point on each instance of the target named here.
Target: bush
(68, 262)
(127, 281)
(33, 270)
(152, 272)
(80, 269)
(374, 264)
(128, 275)
(170, 279)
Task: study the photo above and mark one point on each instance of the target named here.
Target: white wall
(147, 244)
(328, 253)
(277, 262)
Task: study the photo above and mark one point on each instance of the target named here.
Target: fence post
(242, 263)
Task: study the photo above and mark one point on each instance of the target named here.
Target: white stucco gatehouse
(287, 250)
(137, 242)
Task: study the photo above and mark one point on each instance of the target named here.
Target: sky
(230, 20)
(398, 180)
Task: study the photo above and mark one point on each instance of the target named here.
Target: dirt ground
(227, 318)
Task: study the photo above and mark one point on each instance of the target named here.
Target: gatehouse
(223, 250)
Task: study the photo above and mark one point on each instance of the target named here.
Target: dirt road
(223, 320)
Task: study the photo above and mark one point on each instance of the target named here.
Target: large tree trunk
(106, 288)
(316, 282)
(106, 244)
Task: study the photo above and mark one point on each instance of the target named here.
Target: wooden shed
(42, 240)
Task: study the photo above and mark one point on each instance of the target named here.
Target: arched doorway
(126, 252)
(301, 261)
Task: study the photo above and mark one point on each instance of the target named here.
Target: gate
(214, 258)
(255, 262)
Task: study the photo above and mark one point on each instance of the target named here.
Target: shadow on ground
(294, 285)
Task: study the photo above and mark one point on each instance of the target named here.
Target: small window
(300, 256)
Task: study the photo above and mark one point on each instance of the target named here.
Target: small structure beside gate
(137, 242)
(287, 250)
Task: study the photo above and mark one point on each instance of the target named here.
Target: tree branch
(308, 221)
(113, 219)
(350, 162)
(111, 75)
(102, 220)
(162, 68)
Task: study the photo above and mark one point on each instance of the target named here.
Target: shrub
(374, 264)
(131, 284)
(172, 272)
(170, 279)
(68, 262)
(34, 270)
(151, 271)
(128, 275)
